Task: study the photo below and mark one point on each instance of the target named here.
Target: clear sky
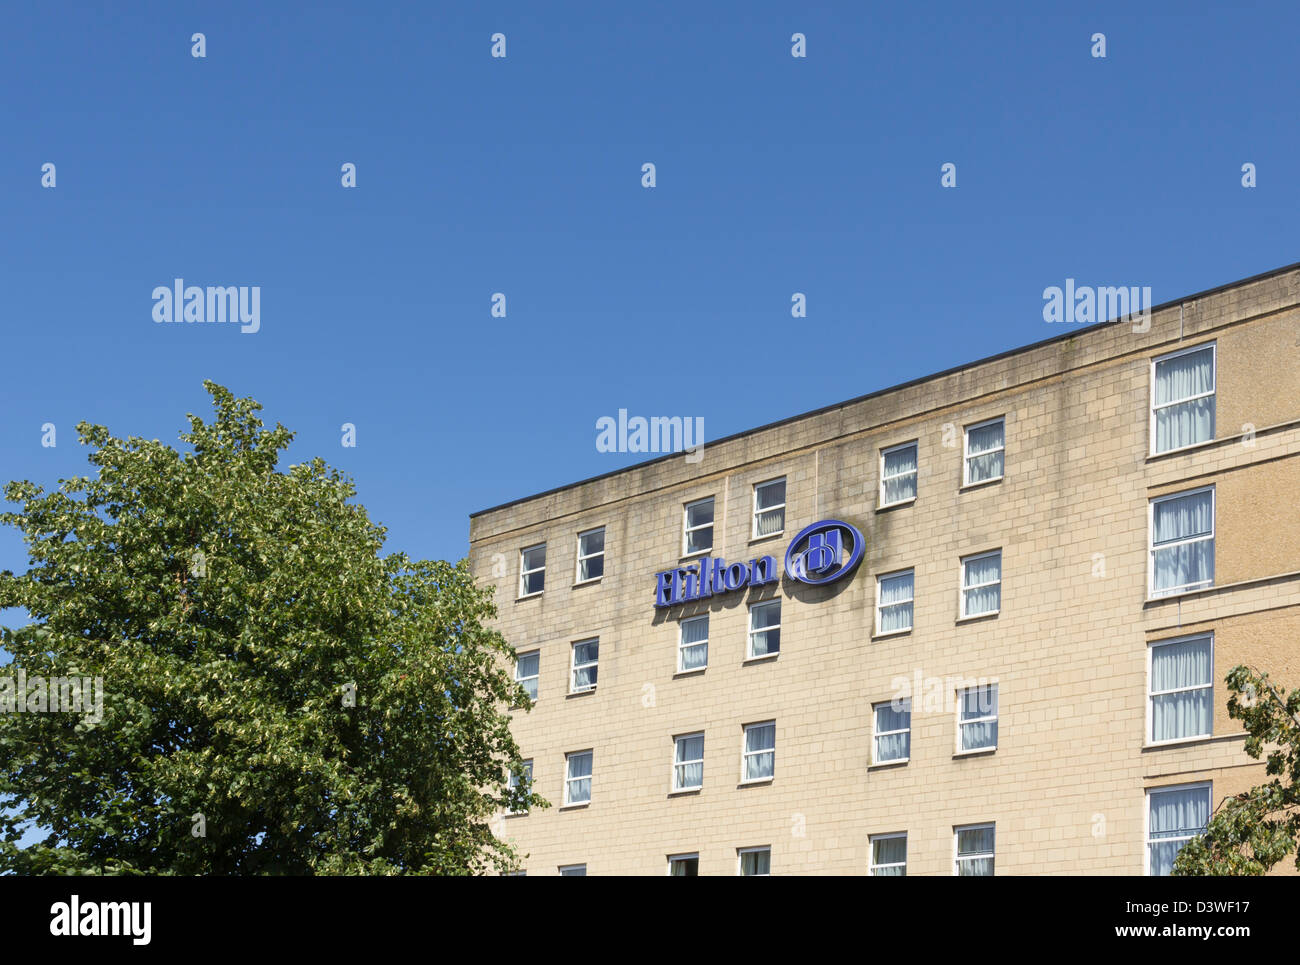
(523, 175)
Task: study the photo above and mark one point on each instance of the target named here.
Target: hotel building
(1062, 549)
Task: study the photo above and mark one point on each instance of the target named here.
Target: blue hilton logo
(822, 553)
(816, 555)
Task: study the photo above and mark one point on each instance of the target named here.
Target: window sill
(756, 782)
(763, 659)
(966, 487)
(1221, 441)
(574, 807)
(764, 539)
(1184, 450)
(993, 615)
(580, 693)
(901, 504)
(529, 596)
(1191, 741)
(1179, 593)
(690, 673)
(685, 792)
(975, 752)
(694, 556)
(897, 633)
(592, 582)
(1222, 588)
(876, 765)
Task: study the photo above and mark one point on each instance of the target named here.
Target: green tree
(1249, 833)
(278, 697)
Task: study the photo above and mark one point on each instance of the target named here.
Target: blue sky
(522, 175)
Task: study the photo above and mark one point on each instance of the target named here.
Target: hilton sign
(822, 553)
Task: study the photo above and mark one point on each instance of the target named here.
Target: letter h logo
(824, 551)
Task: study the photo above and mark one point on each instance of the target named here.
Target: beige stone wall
(1260, 520)
(1068, 648)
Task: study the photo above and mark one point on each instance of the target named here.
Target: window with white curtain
(1181, 688)
(591, 555)
(977, 718)
(755, 862)
(889, 855)
(981, 584)
(684, 865)
(586, 654)
(693, 644)
(577, 777)
(769, 508)
(532, 570)
(894, 597)
(522, 778)
(1182, 398)
(764, 629)
(898, 474)
(1175, 815)
(760, 751)
(892, 737)
(688, 762)
(527, 668)
(697, 536)
(985, 451)
(1182, 542)
(975, 848)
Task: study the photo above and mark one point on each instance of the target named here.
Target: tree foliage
(1249, 833)
(278, 696)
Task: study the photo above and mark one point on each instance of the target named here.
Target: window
(573, 871)
(514, 874)
(527, 668)
(1182, 399)
(981, 584)
(1182, 542)
(769, 508)
(985, 448)
(688, 762)
(591, 555)
(698, 535)
(892, 740)
(765, 629)
(898, 474)
(583, 676)
(1181, 688)
(760, 751)
(684, 865)
(577, 778)
(974, 850)
(1175, 815)
(532, 570)
(755, 862)
(522, 779)
(693, 644)
(977, 718)
(889, 855)
(894, 602)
